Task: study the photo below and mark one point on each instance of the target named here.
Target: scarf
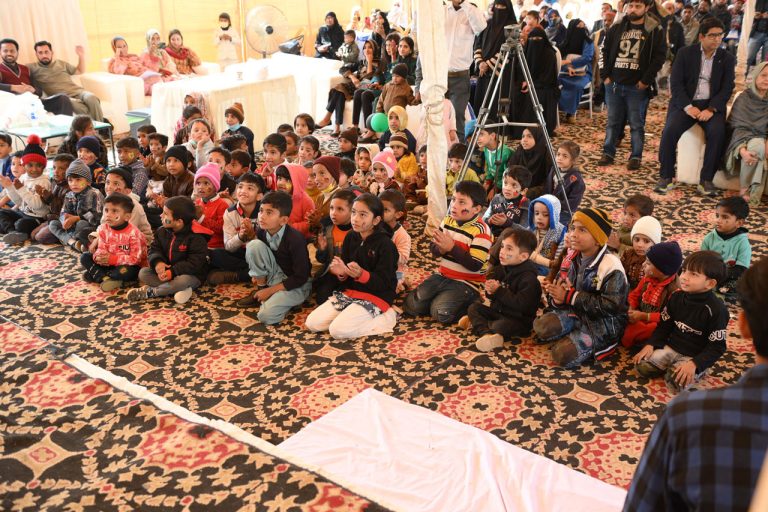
(749, 114)
(178, 54)
(115, 40)
(157, 52)
(493, 36)
(536, 159)
(541, 58)
(652, 295)
(574, 39)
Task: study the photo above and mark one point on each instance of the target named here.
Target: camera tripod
(511, 48)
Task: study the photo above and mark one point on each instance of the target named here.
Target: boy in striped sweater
(121, 249)
(462, 243)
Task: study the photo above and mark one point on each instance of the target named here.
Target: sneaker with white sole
(489, 342)
(137, 294)
(183, 296)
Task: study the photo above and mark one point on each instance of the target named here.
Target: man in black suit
(702, 81)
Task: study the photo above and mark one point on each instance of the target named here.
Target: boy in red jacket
(121, 250)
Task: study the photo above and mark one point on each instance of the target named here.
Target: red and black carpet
(216, 360)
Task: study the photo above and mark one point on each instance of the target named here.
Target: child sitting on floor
(274, 155)
(514, 292)
(16, 171)
(278, 262)
(462, 243)
(690, 337)
(384, 165)
(234, 117)
(200, 142)
(240, 164)
(730, 240)
(292, 179)
(121, 249)
(158, 143)
(407, 167)
(178, 256)
(496, 158)
(510, 206)
(565, 159)
(180, 181)
(455, 160)
(330, 241)
(54, 198)
(129, 156)
(394, 217)
(645, 233)
(291, 147)
(325, 172)
(81, 212)
(347, 144)
(543, 220)
(303, 125)
(240, 225)
(119, 181)
(588, 309)
(209, 207)
(88, 148)
(143, 133)
(366, 271)
(397, 121)
(647, 299)
(222, 158)
(637, 206)
(309, 149)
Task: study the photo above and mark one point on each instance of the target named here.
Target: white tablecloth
(268, 100)
(411, 458)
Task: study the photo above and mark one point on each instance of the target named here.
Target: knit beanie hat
(398, 139)
(79, 169)
(350, 135)
(180, 153)
(33, 152)
(237, 111)
(91, 143)
(400, 70)
(649, 227)
(332, 163)
(597, 223)
(388, 160)
(125, 173)
(210, 171)
(666, 256)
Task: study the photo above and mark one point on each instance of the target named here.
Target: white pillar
(741, 51)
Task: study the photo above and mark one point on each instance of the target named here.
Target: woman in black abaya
(542, 61)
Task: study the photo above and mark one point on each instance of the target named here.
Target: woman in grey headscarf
(746, 153)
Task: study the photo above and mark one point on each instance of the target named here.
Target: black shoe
(634, 164)
(707, 188)
(664, 185)
(605, 160)
(249, 301)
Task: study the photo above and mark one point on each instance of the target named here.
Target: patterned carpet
(219, 362)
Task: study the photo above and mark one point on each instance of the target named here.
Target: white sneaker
(489, 342)
(183, 296)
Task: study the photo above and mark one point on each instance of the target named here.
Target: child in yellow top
(407, 166)
(455, 159)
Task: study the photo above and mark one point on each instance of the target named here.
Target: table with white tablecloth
(268, 100)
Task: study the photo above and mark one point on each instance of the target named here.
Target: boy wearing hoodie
(81, 212)
(514, 292)
(292, 179)
(588, 308)
(178, 256)
(730, 240)
(543, 221)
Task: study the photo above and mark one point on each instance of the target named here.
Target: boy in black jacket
(178, 256)
(514, 291)
(278, 261)
(691, 335)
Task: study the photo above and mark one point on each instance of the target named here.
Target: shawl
(575, 38)
(542, 60)
(493, 36)
(149, 35)
(536, 159)
(180, 53)
(748, 120)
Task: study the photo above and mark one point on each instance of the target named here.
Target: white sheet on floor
(415, 459)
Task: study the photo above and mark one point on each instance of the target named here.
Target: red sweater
(126, 246)
(650, 295)
(213, 219)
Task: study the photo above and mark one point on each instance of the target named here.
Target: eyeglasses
(716, 35)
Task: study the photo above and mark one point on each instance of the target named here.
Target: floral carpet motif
(218, 361)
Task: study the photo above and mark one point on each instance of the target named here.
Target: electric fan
(266, 29)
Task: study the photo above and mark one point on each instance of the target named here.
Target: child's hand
(613, 240)
(69, 221)
(159, 200)
(684, 373)
(636, 316)
(224, 194)
(101, 258)
(5, 181)
(198, 211)
(247, 231)
(354, 270)
(264, 294)
(322, 242)
(163, 271)
(146, 160)
(491, 285)
(338, 267)
(498, 219)
(443, 241)
(644, 354)
(558, 290)
(93, 246)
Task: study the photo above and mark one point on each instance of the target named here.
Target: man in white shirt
(463, 21)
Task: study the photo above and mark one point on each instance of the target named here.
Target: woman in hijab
(381, 28)
(154, 58)
(124, 63)
(487, 46)
(185, 59)
(542, 61)
(532, 153)
(576, 72)
(330, 37)
(555, 29)
(747, 150)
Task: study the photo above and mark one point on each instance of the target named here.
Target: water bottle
(32, 114)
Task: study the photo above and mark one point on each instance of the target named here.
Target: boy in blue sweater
(730, 240)
(510, 206)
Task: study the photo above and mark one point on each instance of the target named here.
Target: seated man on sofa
(15, 78)
(55, 77)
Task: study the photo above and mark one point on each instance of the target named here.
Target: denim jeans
(630, 103)
(65, 235)
(118, 272)
(446, 300)
(756, 42)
